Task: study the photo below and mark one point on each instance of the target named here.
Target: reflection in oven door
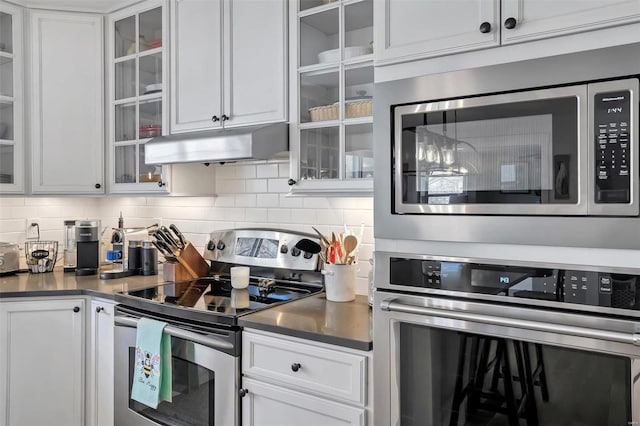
(203, 383)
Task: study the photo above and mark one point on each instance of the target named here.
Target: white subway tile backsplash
(316, 203)
(12, 225)
(230, 186)
(246, 200)
(258, 215)
(268, 200)
(225, 200)
(278, 185)
(290, 202)
(267, 171)
(225, 171)
(279, 215)
(357, 217)
(246, 171)
(257, 186)
(284, 170)
(11, 201)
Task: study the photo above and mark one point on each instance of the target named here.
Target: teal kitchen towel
(152, 373)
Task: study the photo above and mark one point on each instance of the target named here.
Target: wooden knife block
(193, 262)
(173, 271)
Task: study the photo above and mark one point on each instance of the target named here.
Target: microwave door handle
(211, 342)
(626, 338)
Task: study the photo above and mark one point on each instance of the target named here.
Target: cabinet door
(196, 65)
(255, 71)
(66, 103)
(413, 29)
(265, 404)
(536, 19)
(101, 384)
(42, 362)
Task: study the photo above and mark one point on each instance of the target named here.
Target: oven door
(446, 362)
(515, 153)
(204, 379)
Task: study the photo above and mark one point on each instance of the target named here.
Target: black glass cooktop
(216, 295)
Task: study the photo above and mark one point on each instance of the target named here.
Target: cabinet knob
(99, 309)
(291, 182)
(215, 118)
(510, 23)
(76, 309)
(243, 392)
(98, 186)
(485, 27)
(161, 183)
(295, 366)
(224, 117)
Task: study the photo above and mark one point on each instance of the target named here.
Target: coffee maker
(87, 247)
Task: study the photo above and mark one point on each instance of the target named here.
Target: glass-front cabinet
(11, 100)
(332, 138)
(137, 95)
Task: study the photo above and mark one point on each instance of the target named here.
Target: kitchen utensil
(350, 244)
(169, 237)
(239, 276)
(181, 238)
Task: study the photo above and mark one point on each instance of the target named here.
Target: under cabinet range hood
(260, 142)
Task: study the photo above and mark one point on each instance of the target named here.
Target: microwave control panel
(612, 138)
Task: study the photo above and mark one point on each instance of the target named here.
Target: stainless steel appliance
(202, 317)
(548, 145)
(88, 247)
(476, 342)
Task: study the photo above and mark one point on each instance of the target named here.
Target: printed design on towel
(148, 364)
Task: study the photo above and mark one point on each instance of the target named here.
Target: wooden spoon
(350, 244)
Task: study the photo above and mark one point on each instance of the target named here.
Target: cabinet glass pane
(319, 38)
(150, 119)
(358, 29)
(6, 76)
(151, 29)
(6, 33)
(125, 79)
(319, 94)
(125, 122)
(358, 151)
(6, 121)
(125, 164)
(358, 88)
(319, 153)
(6, 164)
(148, 173)
(151, 73)
(309, 4)
(125, 37)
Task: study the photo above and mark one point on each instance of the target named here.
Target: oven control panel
(594, 288)
(612, 117)
(271, 248)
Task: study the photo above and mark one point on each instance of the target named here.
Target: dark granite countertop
(346, 324)
(315, 318)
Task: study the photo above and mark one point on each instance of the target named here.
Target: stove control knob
(221, 245)
(295, 251)
(211, 245)
(284, 249)
(307, 255)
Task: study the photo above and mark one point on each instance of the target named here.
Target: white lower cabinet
(100, 383)
(42, 368)
(290, 381)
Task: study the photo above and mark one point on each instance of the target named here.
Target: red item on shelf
(155, 43)
(150, 130)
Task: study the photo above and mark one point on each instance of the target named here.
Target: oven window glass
(513, 153)
(192, 386)
(455, 378)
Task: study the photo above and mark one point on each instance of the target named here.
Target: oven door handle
(211, 342)
(627, 338)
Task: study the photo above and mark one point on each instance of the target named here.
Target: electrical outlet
(33, 228)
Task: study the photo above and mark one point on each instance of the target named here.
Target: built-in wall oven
(477, 342)
(533, 152)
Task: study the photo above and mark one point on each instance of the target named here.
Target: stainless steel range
(202, 318)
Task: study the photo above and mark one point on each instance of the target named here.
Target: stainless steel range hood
(244, 143)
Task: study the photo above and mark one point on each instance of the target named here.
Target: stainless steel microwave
(566, 150)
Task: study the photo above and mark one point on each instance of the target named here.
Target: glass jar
(69, 245)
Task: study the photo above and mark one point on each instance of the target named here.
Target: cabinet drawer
(320, 370)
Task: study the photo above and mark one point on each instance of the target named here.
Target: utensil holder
(340, 282)
(193, 262)
(173, 271)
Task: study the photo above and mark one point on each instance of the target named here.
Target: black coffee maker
(88, 247)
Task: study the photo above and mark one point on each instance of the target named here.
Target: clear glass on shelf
(125, 122)
(125, 164)
(7, 173)
(150, 119)
(148, 172)
(358, 29)
(6, 33)
(320, 38)
(6, 120)
(150, 74)
(125, 37)
(151, 29)
(320, 153)
(125, 83)
(319, 96)
(358, 151)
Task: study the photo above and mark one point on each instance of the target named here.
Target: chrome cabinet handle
(225, 117)
(209, 341)
(614, 336)
(215, 118)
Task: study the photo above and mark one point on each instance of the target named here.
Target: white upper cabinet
(66, 103)
(228, 62)
(11, 100)
(415, 29)
(525, 20)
